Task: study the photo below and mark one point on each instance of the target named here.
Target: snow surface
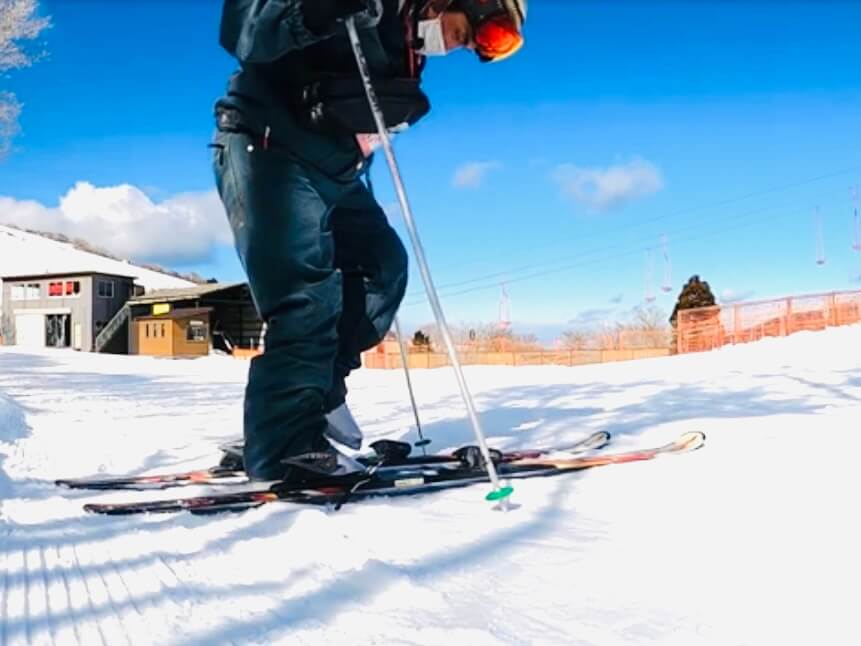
(752, 540)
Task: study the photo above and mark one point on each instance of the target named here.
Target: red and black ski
(225, 476)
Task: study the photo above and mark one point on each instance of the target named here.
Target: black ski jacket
(269, 39)
(262, 31)
(279, 56)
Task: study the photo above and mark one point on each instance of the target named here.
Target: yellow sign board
(160, 308)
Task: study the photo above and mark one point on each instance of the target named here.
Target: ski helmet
(497, 26)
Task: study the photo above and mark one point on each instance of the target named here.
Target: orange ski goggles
(497, 38)
(497, 26)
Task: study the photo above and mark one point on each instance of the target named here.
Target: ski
(392, 482)
(220, 475)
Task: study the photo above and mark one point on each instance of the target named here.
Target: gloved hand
(321, 16)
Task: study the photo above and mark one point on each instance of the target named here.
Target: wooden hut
(181, 332)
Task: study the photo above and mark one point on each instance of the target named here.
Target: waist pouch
(339, 104)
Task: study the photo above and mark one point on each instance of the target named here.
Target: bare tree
(649, 318)
(5, 327)
(576, 339)
(647, 329)
(18, 25)
(643, 327)
(482, 337)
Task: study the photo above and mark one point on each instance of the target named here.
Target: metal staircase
(109, 331)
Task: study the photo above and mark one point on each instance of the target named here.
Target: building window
(162, 330)
(196, 331)
(28, 292)
(68, 288)
(146, 327)
(105, 288)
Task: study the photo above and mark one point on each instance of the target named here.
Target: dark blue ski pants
(326, 271)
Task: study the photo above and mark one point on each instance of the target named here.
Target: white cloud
(603, 189)
(124, 221)
(472, 174)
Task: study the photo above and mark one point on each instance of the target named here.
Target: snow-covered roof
(63, 274)
(23, 253)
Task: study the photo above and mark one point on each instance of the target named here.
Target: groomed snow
(752, 540)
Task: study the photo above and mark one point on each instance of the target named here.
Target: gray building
(61, 310)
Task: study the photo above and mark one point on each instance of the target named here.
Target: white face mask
(430, 32)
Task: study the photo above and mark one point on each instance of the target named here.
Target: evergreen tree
(421, 340)
(695, 293)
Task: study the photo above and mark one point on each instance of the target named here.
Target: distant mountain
(25, 252)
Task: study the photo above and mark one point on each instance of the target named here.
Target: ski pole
(401, 346)
(499, 492)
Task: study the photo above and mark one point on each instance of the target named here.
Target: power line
(580, 263)
(659, 218)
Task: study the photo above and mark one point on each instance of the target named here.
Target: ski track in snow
(748, 541)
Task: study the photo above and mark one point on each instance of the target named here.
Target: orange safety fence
(707, 328)
(421, 359)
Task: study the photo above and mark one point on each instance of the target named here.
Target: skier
(293, 136)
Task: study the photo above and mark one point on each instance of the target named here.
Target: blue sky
(717, 126)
